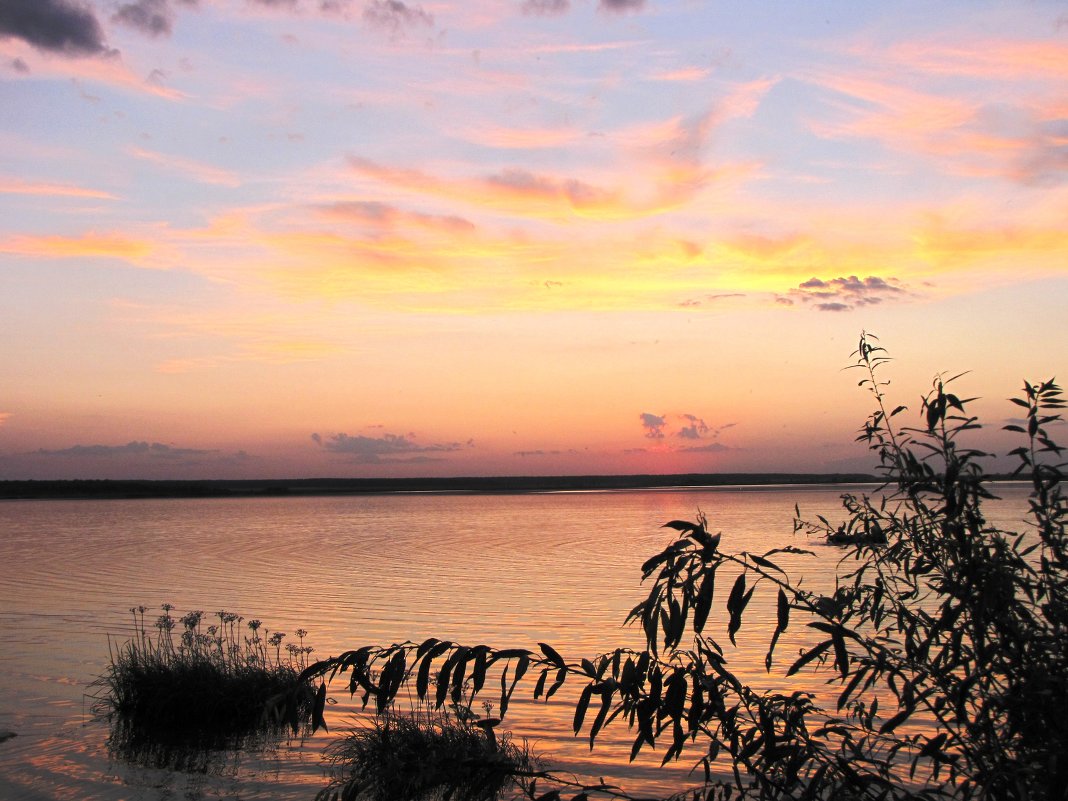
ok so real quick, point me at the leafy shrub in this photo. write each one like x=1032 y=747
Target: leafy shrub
x=943 y=647
x=170 y=700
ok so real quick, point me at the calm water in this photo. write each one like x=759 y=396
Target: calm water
x=507 y=570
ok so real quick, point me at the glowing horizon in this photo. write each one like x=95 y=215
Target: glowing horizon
x=274 y=238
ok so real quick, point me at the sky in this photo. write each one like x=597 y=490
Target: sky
x=297 y=238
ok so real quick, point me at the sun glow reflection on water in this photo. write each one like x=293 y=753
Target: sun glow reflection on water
x=505 y=570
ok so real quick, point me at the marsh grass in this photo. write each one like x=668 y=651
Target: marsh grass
x=424 y=755
x=188 y=688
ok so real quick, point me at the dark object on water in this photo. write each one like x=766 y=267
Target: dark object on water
x=875 y=536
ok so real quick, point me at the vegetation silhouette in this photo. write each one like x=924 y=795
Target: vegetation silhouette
x=427 y=753
x=943 y=648
x=182 y=702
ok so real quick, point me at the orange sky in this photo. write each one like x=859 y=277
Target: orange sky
x=259 y=238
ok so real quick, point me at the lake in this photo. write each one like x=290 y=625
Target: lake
x=509 y=570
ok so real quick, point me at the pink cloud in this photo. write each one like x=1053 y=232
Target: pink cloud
x=1007 y=122
x=195 y=170
x=683 y=74
x=91 y=244
x=16 y=186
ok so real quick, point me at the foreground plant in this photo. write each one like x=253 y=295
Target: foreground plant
x=426 y=753
x=205 y=687
x=938 y=666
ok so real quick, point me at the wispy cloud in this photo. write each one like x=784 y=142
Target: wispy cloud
x=506 y=138
x=386 y=448
x=1010 y=124
x=585 y=47
x=154 y=450
x=675 y=177
x=109 y=70
x=948 y=244
x=285 y=5
x=150 y=17
x=16 y=186
x=682 y=74
x=514 y=190
x=990 y=58
x=95 y=245
x=194 y=170
x=545 y=7
x=380 y=216
x=714 y=299
x=395 y=16
x=621 y=6
x=710 y=447
x=401 y=256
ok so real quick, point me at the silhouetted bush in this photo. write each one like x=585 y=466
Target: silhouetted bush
x=943 y=649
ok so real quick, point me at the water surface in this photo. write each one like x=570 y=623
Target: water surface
x=506 y=570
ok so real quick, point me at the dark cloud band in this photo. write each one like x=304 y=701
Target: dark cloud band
x=387 y=448
x=57 y=26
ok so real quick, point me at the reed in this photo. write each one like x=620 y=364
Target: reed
x=209 y=684
x=426 y=754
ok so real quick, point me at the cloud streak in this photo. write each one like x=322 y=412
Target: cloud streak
x=154 y=450
x=514 y=190
x=1013 y=128
x=386 y=448
x=189 y=168
x=17 y=186
x=381 y=216
x=92 y=245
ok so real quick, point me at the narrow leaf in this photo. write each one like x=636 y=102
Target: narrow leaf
x=783 y=611
x=679 y=525
x=551 y=654
x=580 y=707
x=808 y=656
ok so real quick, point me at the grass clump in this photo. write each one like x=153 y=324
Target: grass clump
x=202 y=686
x=424 y=755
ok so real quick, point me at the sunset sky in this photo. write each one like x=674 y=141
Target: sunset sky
x=270 y=238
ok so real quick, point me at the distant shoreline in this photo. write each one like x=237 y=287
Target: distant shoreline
x=116 y=489
x=88 y=489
